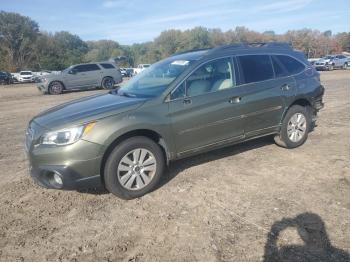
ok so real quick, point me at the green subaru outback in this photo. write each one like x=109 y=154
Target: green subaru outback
x=186 y=104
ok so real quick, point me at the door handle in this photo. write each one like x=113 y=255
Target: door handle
x=285 y=87
x=187 y=101
x=235 y=100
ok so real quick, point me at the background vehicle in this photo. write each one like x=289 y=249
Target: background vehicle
x=181 y=106
x=331 y=62
x=82 y=76
x=140 y=68
x=26 y=77
x=126 y=72
x=6 y=78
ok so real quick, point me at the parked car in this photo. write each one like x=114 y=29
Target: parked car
x=82 y=76
x=140 y=68
x=5 y=78
x=181 y=106
x=26 y=77
x=331 y=62
x=126 y=72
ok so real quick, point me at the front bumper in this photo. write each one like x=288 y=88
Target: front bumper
x=42 y=87
x=77 y=165
x=322 y=67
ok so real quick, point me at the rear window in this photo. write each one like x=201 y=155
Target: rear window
x=292 y=65
x=256 y=68
x=107 y=66
x=278 y=67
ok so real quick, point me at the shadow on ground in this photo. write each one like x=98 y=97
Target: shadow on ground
x=178 y=166
x=316 y=248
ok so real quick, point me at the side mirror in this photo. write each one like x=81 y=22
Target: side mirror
x=72 y=71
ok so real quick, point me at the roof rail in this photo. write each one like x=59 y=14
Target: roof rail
x=192 y=50
x=246 y=45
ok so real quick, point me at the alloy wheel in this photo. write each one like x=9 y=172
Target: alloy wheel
x=136 y=169
x=296 y=128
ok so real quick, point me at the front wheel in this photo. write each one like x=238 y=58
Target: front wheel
x=56 y=88
x=134 y=168
x=107 y=83
x=345 y=66
x=295 y=127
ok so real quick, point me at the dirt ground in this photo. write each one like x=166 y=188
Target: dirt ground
x=242 y=203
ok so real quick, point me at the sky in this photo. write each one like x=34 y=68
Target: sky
x=136 y=21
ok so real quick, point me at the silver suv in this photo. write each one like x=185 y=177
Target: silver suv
x=331 y=62
x=82 y=76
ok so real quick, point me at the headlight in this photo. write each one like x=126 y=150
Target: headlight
x=66 y=136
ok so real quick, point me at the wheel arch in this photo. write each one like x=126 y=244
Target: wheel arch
x=302 y=101
x=104 y=77
x=151 y=134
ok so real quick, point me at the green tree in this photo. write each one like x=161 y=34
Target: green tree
x=17 y=37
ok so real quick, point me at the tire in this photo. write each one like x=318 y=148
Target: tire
x=107 y=83
x=56 y=88
x=129 y=181
x=345 y=66
x=292 y=136
x=331 y=68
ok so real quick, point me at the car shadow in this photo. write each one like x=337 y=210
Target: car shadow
x=312 y=231
x=178 y=166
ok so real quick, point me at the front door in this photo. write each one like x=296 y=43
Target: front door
x=83 y=76
x=205 y=109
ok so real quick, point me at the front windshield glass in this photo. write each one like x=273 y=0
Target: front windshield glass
x=328 y=57
x=25 y=73
x=67 y=69
x=155 y=79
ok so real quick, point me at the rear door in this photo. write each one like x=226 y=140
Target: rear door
x=205 y=109
x=266 y=95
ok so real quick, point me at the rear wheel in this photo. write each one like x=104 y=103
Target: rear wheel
x=134 y=168
x=56 y=88
x=107 y=83
x=295 y=127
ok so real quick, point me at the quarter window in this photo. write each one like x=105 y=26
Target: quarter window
x=292 y=65
x=256 y=68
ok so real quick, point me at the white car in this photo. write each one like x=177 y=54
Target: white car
x=140 y=68
x=26 y=77
x=331 y=62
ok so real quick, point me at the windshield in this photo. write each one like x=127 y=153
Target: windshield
x=155 y=79
x=67 y=69
x=25 y=73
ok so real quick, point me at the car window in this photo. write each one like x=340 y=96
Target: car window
x=107 y=66
x=211 y=77
x=292 y=65
x=86 y=68
x=256 y=68
x=278 y=67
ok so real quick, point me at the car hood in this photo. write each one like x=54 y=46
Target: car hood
x=87 y=109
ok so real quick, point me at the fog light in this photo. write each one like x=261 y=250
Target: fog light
x=57 y=178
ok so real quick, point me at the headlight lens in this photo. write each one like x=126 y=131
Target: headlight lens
x=66 y=136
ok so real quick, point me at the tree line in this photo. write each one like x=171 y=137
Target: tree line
x=24 y=46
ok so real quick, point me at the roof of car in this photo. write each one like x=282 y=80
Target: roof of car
x=234 y=48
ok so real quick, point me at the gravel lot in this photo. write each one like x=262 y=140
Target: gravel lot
x=241 y=203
